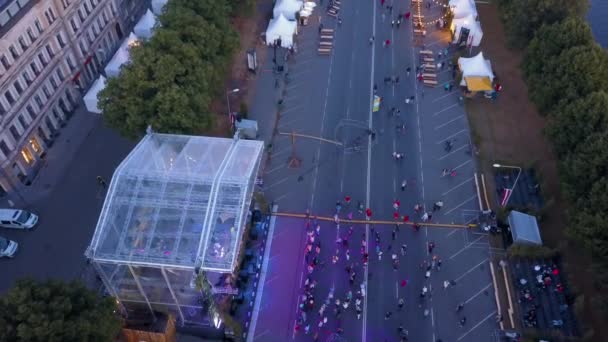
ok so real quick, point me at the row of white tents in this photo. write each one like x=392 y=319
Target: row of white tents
x=284 y=26
x=465 y=27
x=143 y=30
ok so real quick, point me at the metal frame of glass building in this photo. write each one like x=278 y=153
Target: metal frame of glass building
x=175 y=206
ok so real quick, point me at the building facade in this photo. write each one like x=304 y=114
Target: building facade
x=51 y=52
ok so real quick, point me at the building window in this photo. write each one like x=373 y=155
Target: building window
x=30 y=112
x=46 y=91
x=35 y=145
x=27 y=78
x=97 y=27
x=2 y=109
x=18 y=87
x=38 y=26
x=74 y=26
x=15 y=132
x=13 y=52
x=22 y=121
x=70 y=63
x=9 y=97
x=90 y=37
x=35 y=68
x=30 y=34
x=4 y=148
x=60 y=40
x=105 y=17
x=65 y=4
x=52 y=13
x=113 y=8
x=39 y=101
x=53 y=82
x=22 y=43
x=5 y=63
x=83 y=50
x=27 y=155
x=59 y=73
x=81 y=15
x=49 y=19
x=49 y=50
x=86 y=8
x=42 y=59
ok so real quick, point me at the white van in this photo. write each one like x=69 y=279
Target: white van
x=8 y=248
x=16 y=218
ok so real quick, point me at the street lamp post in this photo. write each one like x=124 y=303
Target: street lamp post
x=508 y=196
x=228 y=92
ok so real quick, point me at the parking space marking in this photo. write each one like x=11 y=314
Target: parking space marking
x=442 y=141
x=477 y=325
x=466 y=246
x=460 y=205
x=293 y=85
x=446 y=95
x=449 y=122
x=277 y=183
x=470 y=270
x=477 y=294
x=273 y=170
x=453 y=151
x=291 y=109
x=463 y=164
x=452 y=232
x=272 y=155
x=457 y=186
x=282 y=196
x=446 y=108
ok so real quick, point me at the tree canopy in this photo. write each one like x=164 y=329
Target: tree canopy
x=172 y=79
x=524 y=17
x=55 y=311
x=551 y=40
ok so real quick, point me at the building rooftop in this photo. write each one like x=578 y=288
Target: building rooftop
x=178 y=201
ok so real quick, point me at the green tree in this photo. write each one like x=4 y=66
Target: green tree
x=173 y=78
x=575 y=73
x=55 y=311
x=585 y=165
x=523 y=17
x=573 y=123
x=551 y=40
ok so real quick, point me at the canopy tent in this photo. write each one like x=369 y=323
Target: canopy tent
x=309 y=6
x=524 y=228
x=145 y=25
x=90 y=98
x=288 y=8
x=157 y=6
x=283 y=29
x=463 y=8
x=477 y=73
x=466 y=30
x=121 y=56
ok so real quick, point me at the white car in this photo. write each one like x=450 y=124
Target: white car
x=8 y=248
x=17 y=219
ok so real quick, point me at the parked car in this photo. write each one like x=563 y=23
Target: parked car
x=17 y=218
x=8 y=248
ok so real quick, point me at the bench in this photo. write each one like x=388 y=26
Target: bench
x=429 y=83
x=326 y=36
x=327 y=30
x=424 y=52
x=323 y=51
x=330 y=44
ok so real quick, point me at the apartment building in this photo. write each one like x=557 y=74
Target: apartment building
x=51 y=51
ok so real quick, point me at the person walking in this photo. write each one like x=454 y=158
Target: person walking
x=101 y=182
x=403 y=185
x=388 y=315
x=400 y=304
x=437 y=205
x=403 y=249
x=463 y=321
x=459 y=307
x=408 y=70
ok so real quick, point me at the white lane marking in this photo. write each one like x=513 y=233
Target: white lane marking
x=449 y=122
x=477 y=294
x=466 y=246
x=463 y=164
x=445 y=109
x=477 y=325
x=453 y=151
x=368 y=180
x=446 y=95
x=457 y=186
x=470 y=270
x=442 y=141
x=278 y=182
x=460 y=205
x=452 y=232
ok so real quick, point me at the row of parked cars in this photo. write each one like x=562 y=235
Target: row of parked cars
x=15 y=219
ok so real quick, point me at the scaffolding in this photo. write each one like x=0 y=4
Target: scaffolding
x=175 y=206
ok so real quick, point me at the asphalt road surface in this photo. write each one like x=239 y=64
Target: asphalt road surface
x=330 y=97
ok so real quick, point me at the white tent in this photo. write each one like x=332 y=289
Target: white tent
x=469 y=24
x=157 y=6
x=145 y=25
x=283 y=29
x=477 y=73
x=121 y=56
x=90 y=98
x=463 y=8
x=288 y=8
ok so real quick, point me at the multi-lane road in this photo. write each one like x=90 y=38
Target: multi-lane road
x=331 y=97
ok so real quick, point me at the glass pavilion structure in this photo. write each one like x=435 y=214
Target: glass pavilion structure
x=177 y=205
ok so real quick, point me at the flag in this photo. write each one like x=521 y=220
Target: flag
x=506 y=194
